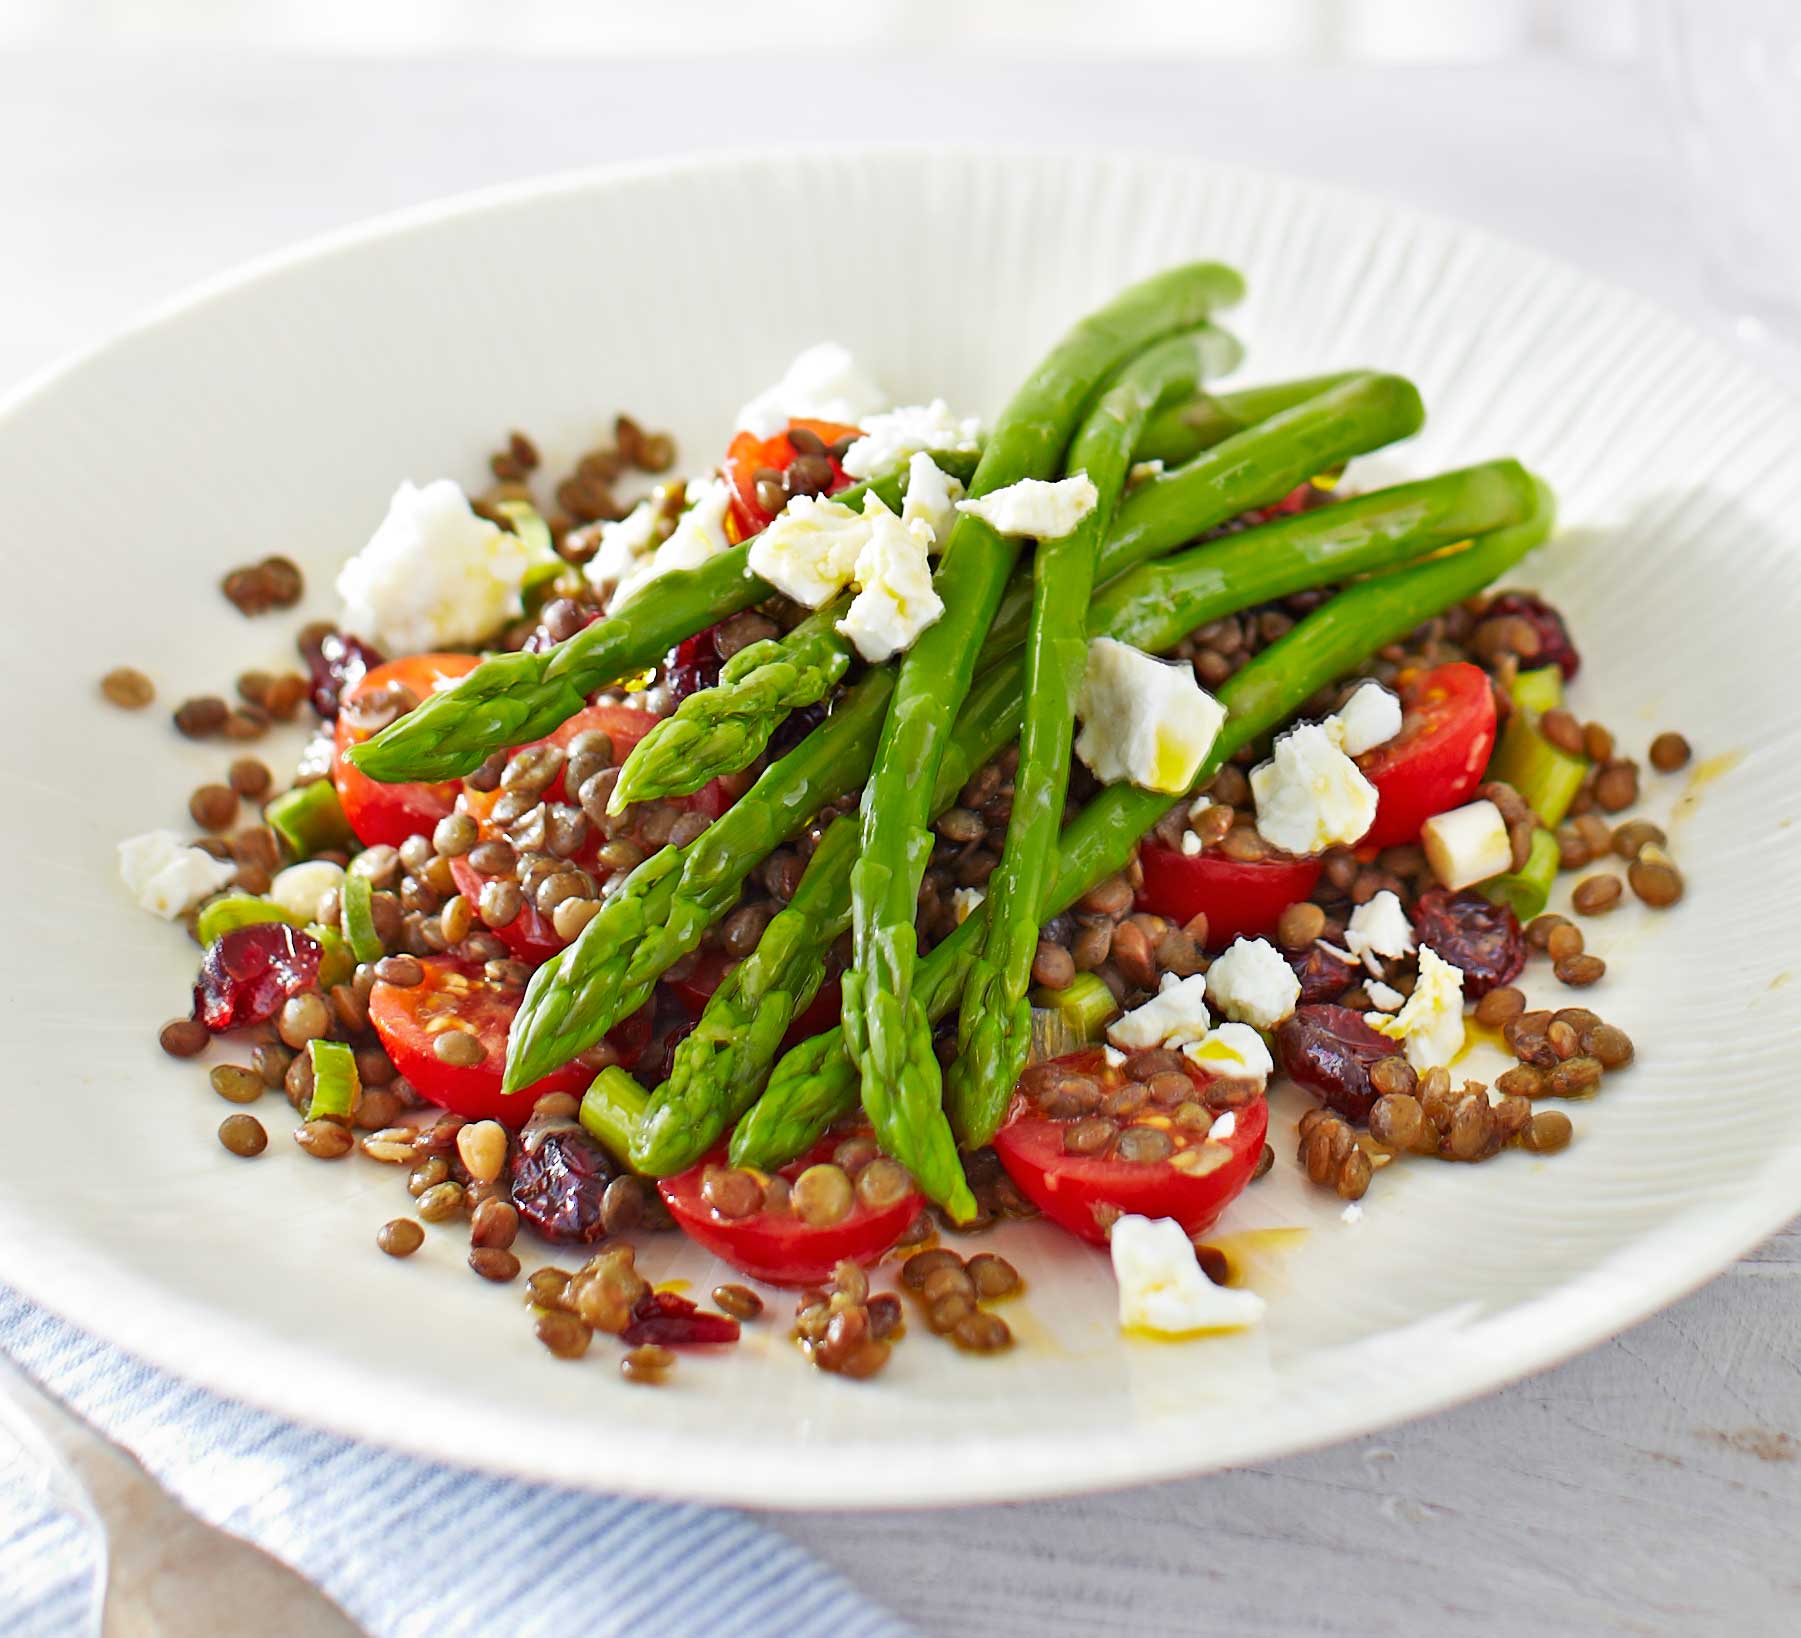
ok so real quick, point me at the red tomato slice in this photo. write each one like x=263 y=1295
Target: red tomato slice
x=452 y=996
x=1068 y=1188
x=749 y=454
x=1435 y=763
x=1241 y=898
x=392 y=813
x=778 y=1248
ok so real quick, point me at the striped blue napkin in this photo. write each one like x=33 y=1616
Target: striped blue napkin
x=399 y=1542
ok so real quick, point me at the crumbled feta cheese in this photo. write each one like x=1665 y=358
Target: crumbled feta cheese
x=1191 y=844
x=1115 y=1059
x=166 y=876
x=897 y=601
x=1253 y=984
x=896 y=434
x=810 y=551
x=1143 y=719
x=966 y=901
x=1233 y=1052
x=1162 y=1288
x=1176 y=1013
x=1310 y=795
x=624 y=546
x=824 y=383
x=1379 y=928
x=1370 y=717
x=931 y=499
x=1352 y=1213
x=299 y=888
x=1142 y=471
x=1032 y=507
x=1383 y=997
x=1430 y=1025
x=1197 y=809
x=433 y=575
x=1467 y=845
x=699 y=534
x=1223 y=1128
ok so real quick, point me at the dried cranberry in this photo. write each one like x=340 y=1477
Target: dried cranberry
x=1323 y=976
x=670 y=1024
x=674 y=1322
x=247 y=974
x=337 y=662
x=1296 y=500
x=1554 y=645
x=1329 y=1050
x=1466 y=930
x=795 y=727
x=693 y=664
x=557 y=1182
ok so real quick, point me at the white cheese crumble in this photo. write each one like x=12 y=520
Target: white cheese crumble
x=894 y=435
x=1379 y=928
x=1223 y=1128
x=1144 y=720
x=300 y=888
x=1252 y=984
x=1162 y=1288
x=810 y=551
x=1115 y=1059
x=1467 y=845
x=1383 y=997
x=433 y=575
x=699 y=534
x=1370 y=717
x=931 y=498
x=1430 y=1025
x=1310 y=795
x=1352 y=1213
x=166 y=876
x=624 y=546
x=824 y=383
x=1192 y=845
x=1176 y=1013
x=1035 y=508
x=897 y=601
x=1233 y=1052
x=966 y=901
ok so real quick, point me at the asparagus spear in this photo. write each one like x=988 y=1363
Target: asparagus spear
x=994 y=1029
x=1154 y=606
x=1182 y=431
x=511 y=698
x=817 y=1083
x=723 y=729
x=884 y=1025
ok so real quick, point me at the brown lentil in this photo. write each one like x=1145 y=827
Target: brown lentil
x=1393 y=1076
x=494 y=1262
x=324 y=1139
x=1616 y=786
x=128 y=688
x=919 y=1267
x=303 y=1018
x=183 y=1037
x=649 y=1364
x=1540 y=929
x=213 y=807
x=1396 y=1121
x=1596 y=895
x=493 y=1225
x=1300 y=925
x=981 y=1333
x=441 y=1202
x=400 y=1237
x=737 y=1300
x=1053 y=966
x=563 y=1334
x=1523 y=1081
x=203 y=715
x=1574 y=1078
x=1655 y=878
x=459 y=1048
x=1669 y=751
x=1563 y=731
x=1611 y=1048
x=235 y=1084
x=1548 y=1131
x=243 y=1135
x=993 y=1277
x=821 y=1195
x=1579 y=971
x=1499 y=1005
x=883 y=1183
x=1565 y=941
x=733 y=1193
x=622 y=1206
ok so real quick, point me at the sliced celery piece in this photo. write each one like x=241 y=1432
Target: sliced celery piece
x=1538 y=691
x=309 y=821
x=337 y=962
x=1526 y=891
x=237 y=910
x=1084 y=1006
x=359 y=919
x=611 y=1111
x=1547 y=777
x=335 y=1083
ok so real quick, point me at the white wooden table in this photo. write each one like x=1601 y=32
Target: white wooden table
x=1651 y=1486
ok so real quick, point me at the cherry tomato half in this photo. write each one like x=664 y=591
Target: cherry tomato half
x=391 y=813
x=748 y=455
x=777 y=1247
x=1069 y=1188
x=1242 y=898
x=1435 y=763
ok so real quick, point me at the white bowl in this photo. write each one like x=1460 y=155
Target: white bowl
x=276 y=411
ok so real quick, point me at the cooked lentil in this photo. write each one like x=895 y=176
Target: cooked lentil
x=324 y=1139
x=1595 y=896
x=128 y=688
x=648 y=1364
x=400 y=1237
x=243 y=1135
x=183 y=1037
x=235 y=1084
x=1669 y=751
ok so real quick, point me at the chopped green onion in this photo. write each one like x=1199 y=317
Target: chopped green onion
x=337 y=961
x=237 y=910
x=1538 y=691
x=1547 y=777
x=359 y=919
x=335 y=1083
x=1085 y=1004
x=1526 y=891
x=309 y=820
x=612 y=1110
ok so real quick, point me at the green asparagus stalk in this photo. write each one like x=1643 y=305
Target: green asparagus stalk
x=1154 y=607
x=817 y=1083
x=664 y=906
x=994 y=1028
x=1182 y=431
x=511 y=698
x=884 y=1024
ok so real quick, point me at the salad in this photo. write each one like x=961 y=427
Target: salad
x=910 y=823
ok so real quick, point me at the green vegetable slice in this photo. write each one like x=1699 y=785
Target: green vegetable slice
x=359 y=919
x=335 y=1083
